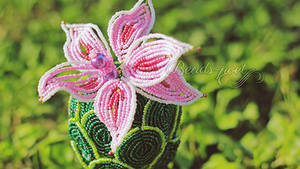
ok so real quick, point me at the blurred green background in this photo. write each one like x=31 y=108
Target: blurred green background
x=254 y=125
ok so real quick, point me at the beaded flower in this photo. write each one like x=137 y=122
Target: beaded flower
x=146 y=64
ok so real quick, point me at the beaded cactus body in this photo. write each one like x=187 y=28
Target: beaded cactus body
x=151 y=142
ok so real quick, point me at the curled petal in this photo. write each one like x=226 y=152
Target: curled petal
x=82 y=40
x=127 y=26
x=152 y=58
x=173 y=90
x=115 y=106
x=62 y=77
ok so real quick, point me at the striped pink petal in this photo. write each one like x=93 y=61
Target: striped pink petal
x=173 y=90
x=127 y=26
x=87 y=79
x=82 y=40
x=151 y=59
x=115 y=106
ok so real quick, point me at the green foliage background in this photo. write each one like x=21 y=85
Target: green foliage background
x=256 y=125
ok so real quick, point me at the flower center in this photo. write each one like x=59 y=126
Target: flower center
x=112 y=75
x=99 y=61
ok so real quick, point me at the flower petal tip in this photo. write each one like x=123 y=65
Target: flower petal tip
x=110 y=153
x=204 y=95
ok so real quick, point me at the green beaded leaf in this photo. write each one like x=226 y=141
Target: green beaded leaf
x=149 y=144
x=85 y=107
x=138 y=117
x=108 y=164
x=141 y=146
x=168 y=154
x=81 y=144
x=73 y=107
x=178 y=118
x=163 y=116
x=97 y=132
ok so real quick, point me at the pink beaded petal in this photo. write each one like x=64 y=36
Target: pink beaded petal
x=62 y=77
x=82 y=40
x=127 y=26
x=173 y=90
x=115 y=106
x=151 y=59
